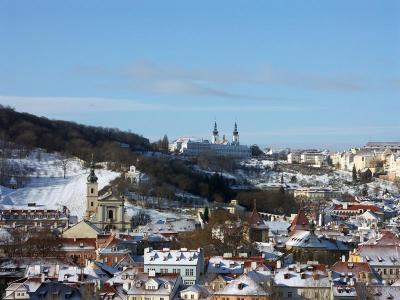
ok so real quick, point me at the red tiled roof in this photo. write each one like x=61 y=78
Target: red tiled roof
x=357 y=207
x=78 y=241
x=255 y=217
x=351 y=267
x=300 y=220
x=388 y=238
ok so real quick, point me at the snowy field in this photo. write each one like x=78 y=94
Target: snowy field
x=49 y=189
x=155 y=215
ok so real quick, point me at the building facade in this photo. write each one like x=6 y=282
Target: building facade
x=189 y=264
x=107 y=211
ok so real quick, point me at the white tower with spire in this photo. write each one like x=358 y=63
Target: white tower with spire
x=92 y=192
x=235 y=137
x=215 y=136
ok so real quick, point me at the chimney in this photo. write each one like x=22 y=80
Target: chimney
x=278 y=264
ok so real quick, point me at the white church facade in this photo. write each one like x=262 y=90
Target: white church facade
x=217 y=146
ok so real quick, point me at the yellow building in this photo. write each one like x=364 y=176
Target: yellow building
x=107 y=211
x=366 y=160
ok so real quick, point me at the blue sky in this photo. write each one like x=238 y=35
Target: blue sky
x=291 y=73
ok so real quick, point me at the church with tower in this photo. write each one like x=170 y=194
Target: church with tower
x=217 y=146
x=216 y=140
x=107 y=211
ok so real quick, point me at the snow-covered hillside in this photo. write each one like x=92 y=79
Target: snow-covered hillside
x=48 y=187
x=339 y=180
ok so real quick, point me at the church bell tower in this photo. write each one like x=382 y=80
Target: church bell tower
x=235 y=137
x=92 y=192
x=215 y=136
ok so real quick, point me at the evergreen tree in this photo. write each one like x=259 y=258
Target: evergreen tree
x=364 y=191
x=164 y=144
x=354 y=174
x=206 y=214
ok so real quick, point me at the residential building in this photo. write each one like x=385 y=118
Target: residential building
x=382 y=255
x=152 y=286
x=317 y=159
x=345 y=210
x=294 y=158
x=302 y=281
x=366 y=160
x=112 y=251
x=32 y=217
x=315 y=193
x=244 y=288
x=188 y=263
x=381 y=146
x=195 y=292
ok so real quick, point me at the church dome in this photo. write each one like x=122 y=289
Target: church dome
x=92 y=178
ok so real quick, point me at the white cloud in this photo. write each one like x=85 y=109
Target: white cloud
x=324 y=131
x=261 y=75
x=73 y=105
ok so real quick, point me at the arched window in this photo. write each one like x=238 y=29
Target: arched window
x=110 y=214
x=92 y=190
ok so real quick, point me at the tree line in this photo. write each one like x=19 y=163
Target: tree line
x=62 y=136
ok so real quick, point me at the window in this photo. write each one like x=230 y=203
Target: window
x=191 y=296
x=290 y=294
x=91 y=203
x=110 y=214
x=92 y=190
x=189 y=272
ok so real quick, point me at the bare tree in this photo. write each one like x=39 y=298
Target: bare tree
x=397 y=183
x=64 y=162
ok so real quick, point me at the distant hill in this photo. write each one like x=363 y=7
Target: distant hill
x=54 y=135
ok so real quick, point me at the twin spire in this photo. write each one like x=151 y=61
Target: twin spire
x=215 y=137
